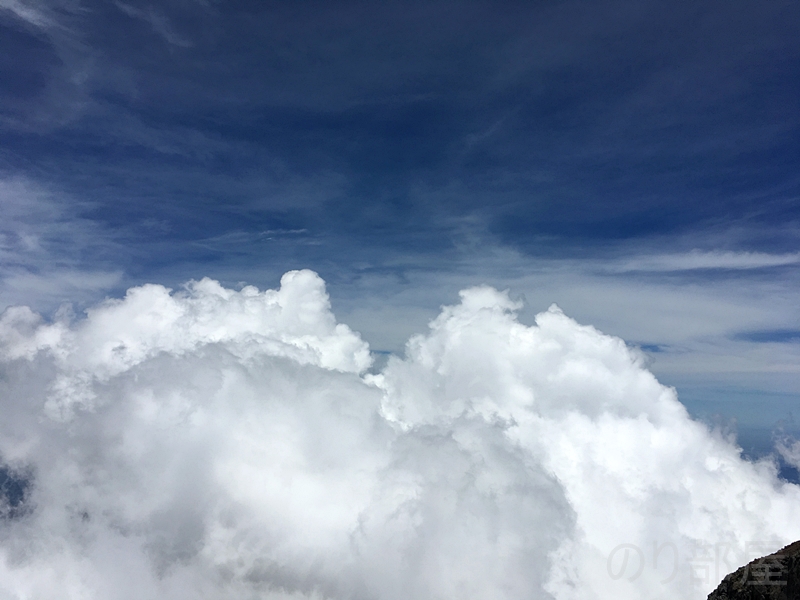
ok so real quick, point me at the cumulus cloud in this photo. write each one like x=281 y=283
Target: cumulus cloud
x=789 y=450
x=214 y=443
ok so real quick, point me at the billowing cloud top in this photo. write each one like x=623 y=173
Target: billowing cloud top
x=294 y=321
x=219 y=444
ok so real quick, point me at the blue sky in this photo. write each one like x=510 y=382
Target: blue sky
x=637 y=163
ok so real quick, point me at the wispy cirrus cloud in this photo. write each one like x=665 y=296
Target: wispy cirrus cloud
x=699 y=259
x=34 y=13
x=48 y=251
x=160 y=24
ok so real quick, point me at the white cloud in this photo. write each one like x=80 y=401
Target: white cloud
x=694 y=321
x=226 y=444
x=29 y=12
x=790 y=452
x=688 y=261
x=159 y=23
x=44 y=243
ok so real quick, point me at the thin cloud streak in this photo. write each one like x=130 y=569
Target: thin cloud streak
x=29 y=12
x=157 y=21
x=697 y=259
x=49 y=253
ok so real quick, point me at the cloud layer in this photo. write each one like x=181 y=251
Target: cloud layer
x=214 y=443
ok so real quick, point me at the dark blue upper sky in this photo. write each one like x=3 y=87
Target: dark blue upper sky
x=395 y=126
x=465 y=141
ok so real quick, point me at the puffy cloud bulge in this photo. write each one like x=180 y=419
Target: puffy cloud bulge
x=214 y=443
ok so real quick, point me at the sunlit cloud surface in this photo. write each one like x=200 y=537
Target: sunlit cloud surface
x=220 y=443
